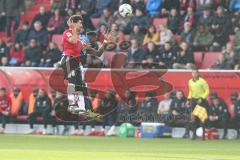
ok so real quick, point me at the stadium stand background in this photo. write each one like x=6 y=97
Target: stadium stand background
x=206 y=35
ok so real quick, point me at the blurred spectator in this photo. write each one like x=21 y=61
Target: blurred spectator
x=235 y=105
x=187 y=34
x=52 y=55
x=131 y=64
x=235 y=22
x=220 y=20
x=234 y=5
x=180 y=111
x=184 y=59
x=2 y=45
x=164 y=108
x=57 y=4
x=185 y=4
x=128 y=104
x=32 y=55
x=206 y=18
x=220 y=27
x=137 y=34
x=21 y=35
x=173 y=21
x=12 y=9
x=87 y=23
x=237 y=39
x=19 y=107
x=166 y=35
x=149 y=55
x=134 y=52
x=203 y=39
x=166 y=56
x=106 y=18
x=149 y=105
x=66 y=18
x=218 y=113
x=4 y=61
x=116 y=35
x=55 y=23
x=227 y=59
x=69 y=4
x=153 y=6
x=2 y=18
x=202 y=4
x=138 y=4
x=220 y=39
x=59 y=105
x=95 y=100
x=39 y=34
x=237 y=66
x=53 y=119
x=5 y=104
x=87 y=6
x=221 y=63
x=108 y=107
x=101 y=32
x=189 y=17
x=31 y=100
x=122 y=22
x=141 y=19
x=16 y=55
x=151 y=36
x=101 y=4
x=42 y=16
x=42 y=107
x=168 y=5
x=3 y=50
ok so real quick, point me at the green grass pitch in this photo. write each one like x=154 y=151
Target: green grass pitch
x=21 y=147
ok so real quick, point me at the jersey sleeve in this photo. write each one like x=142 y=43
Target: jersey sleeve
x=206 y=89
x=67 y=35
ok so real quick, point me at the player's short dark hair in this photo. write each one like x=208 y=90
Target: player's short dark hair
x=76 y=18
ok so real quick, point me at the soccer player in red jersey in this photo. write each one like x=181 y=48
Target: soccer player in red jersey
x=5 y=104
x=71 y=64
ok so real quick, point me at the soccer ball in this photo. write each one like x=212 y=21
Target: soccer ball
x=125 y=10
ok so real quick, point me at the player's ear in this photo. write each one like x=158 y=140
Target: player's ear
x=69 y=22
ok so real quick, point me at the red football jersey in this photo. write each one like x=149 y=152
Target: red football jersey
x=5 y=104
x=69 y=48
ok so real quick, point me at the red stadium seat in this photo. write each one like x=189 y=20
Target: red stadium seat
x=119 y=60
x=95 y=22
x=158 y=21
x=209 y=59
x=107 y=58
x=22 y=118
x=198 y=58
x=57 y=38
